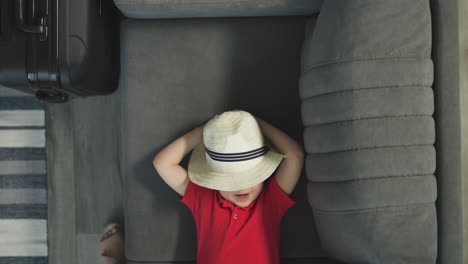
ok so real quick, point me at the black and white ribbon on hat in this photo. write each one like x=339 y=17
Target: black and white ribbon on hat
x=238 y=156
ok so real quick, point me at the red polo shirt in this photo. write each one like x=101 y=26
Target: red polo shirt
x=228 y=233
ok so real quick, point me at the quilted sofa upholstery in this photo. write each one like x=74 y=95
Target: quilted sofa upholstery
x=367 y=105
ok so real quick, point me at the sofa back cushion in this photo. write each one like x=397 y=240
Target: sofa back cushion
x=216 y=8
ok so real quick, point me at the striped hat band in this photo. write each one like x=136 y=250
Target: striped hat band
x=237 y=156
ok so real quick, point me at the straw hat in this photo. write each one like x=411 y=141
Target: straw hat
x=233 y=155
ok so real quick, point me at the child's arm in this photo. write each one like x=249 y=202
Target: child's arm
x=289 y=171
x=166 y=162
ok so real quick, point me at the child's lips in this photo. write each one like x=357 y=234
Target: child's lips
x=242 y=196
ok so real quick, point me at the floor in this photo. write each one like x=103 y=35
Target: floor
x=83 y=196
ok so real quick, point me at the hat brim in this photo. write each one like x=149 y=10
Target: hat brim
x=199 y=172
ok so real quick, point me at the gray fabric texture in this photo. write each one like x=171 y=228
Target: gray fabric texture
x=216 y=8
x=447 y=55
x=177 y=74
x=367 y=106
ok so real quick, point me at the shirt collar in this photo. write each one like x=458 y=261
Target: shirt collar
x=225 y=203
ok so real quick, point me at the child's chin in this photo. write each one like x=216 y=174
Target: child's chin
x=243 y=203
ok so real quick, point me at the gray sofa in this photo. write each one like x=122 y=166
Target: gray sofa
x=364 y=85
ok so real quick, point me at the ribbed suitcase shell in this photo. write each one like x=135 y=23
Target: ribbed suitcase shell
x=76 y=55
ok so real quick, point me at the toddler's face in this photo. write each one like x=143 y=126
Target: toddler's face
x=252 y=194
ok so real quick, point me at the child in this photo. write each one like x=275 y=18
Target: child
x=236 y=205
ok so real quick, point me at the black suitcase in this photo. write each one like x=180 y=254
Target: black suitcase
x=59 y=49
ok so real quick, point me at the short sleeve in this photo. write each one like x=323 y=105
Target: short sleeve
x=280 y=200
x=194 y=193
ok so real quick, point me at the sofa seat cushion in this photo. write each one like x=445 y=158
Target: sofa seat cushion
x=177 y=74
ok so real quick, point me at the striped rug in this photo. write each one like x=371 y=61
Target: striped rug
x=23 y=186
